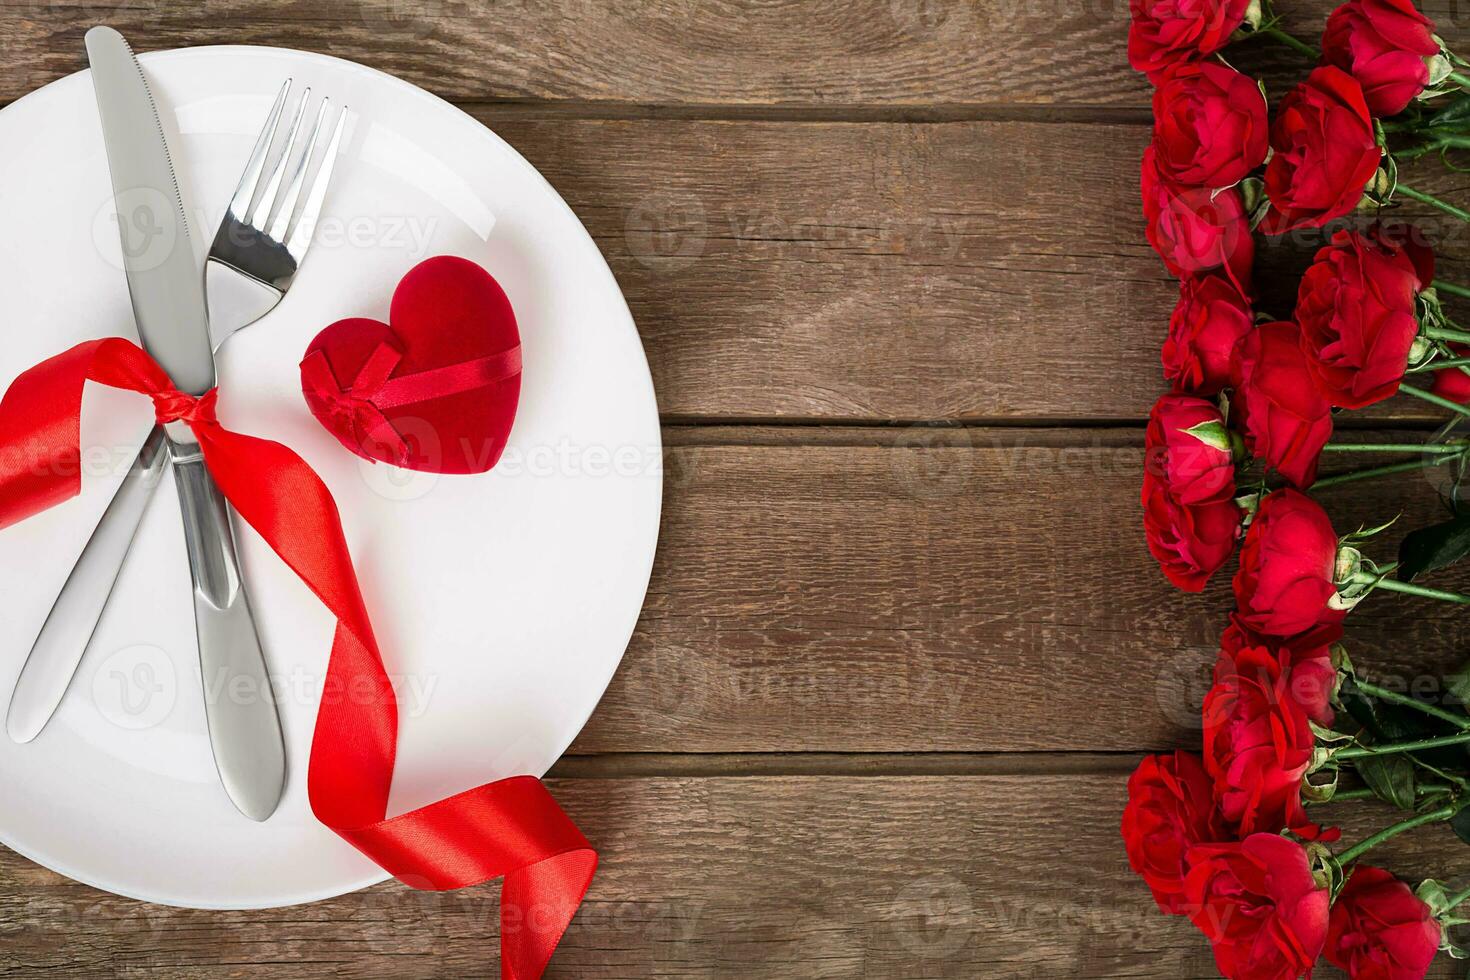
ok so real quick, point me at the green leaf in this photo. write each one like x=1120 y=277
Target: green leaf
x=1460 y=824
x=1434 y=547
x=1390 y=777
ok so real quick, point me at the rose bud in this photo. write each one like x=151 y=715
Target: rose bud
x=1210 y=318
x=1258 y=742
x=1210 y=125
x=1171 y=808
x=1387 y=45
x=1259 y=905
x=1196 y=229
x=1284 y=418
x=1165 y=32
x=1326 y=152
x=1313 y=676
x=1356 y=310
x=1288 y=567
x=1452 y=382
x=1379 y=929
x=1189 y=449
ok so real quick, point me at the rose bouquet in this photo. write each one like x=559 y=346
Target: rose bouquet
x=1228 y=837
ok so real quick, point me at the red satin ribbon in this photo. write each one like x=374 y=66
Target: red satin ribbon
x=511 y=828
x=360 y=403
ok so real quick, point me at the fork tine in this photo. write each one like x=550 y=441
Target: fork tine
x=244 y=193
x=262 y=211
x=298 y=178
x=300 y=238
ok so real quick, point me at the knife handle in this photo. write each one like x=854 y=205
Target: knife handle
x=239 y=703
x=73 y=618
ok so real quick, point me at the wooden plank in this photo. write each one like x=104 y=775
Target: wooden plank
x=921 y=53
x=984 y=270
x=972 y=590
x=979 y=271
x=1003 y=876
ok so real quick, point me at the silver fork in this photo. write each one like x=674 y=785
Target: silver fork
x=251 y=265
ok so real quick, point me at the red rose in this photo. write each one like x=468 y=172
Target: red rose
x=1194 y=468
x=1209 y=125
x=1168 y=31
x=1326 y=152
x=1208 y=321
x=1452 y=382
x=1196 y=229
x=1171 y=808
x=1258 y=742
x=1312 y=678
x=1385 y=45
x=1260 y=907
x=1355 y=307
x=1284 y=418
x=1379 y=930
x=1287 y=567
x=1190 y=543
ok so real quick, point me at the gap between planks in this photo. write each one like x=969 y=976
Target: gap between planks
x=642 y=765
x=572 y=110
x=980 y=434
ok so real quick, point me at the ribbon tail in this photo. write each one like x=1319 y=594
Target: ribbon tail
x=512 y=828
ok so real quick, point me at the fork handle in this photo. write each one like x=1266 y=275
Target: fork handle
x=73 y=618
x=239 y=703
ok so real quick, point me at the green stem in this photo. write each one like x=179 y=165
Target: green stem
x=1365 y=793
x=1389 y=447
x=1394 y=748
x=1434 y=399
x=1389 y=470
x=1364 y=846
x=1301 y=47
x=1445 y=333
x=1408 y=588
x=1443 y=364
x=1441 y=141
x=1393 y=697
x=1459 y=899
x=1433 y=201
x=1451 y=288
x=1459 y=79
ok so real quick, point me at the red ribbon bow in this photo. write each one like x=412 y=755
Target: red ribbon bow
x=360 y=403
x=511 y=828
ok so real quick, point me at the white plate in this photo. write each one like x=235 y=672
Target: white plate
x=502 y=602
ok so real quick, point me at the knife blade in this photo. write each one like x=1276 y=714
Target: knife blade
x=167 y=287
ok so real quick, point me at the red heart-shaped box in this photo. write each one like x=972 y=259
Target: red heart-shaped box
x=436 y=387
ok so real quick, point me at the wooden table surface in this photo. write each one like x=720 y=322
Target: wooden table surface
x=903 y=641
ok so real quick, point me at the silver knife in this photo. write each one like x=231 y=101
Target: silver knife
x=166 y=283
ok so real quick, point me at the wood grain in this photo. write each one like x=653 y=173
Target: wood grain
x=896 y=53
x=959 y=877
x=975 y=271
x=966 y=590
